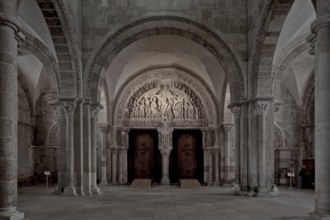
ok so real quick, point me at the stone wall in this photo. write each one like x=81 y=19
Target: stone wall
x=288 y=120
x=101 y=17
x=25 y=132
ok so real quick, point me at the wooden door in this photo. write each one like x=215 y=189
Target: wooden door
x=143 y=155
x=187 y=156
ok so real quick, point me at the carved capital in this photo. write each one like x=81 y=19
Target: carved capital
x=236 y=111
x=68 y=106
x=261 y=106
x=165 y=151
x=104 y=127
x=227 y=127
x=320 y=22
x=95 y=109
x=14 y=24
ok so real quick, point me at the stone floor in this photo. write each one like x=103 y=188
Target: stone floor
x=161 y=203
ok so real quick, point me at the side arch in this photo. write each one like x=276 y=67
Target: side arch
x=274 y=15
x=66 y=46
x=171 y=25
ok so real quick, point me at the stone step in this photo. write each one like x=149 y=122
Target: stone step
x=141 y=183
x=190 y=183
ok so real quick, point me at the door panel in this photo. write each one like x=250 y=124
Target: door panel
x=187 y=156
x=143 y=156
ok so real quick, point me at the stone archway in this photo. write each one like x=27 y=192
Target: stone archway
x=167 y=98
x=171 y=25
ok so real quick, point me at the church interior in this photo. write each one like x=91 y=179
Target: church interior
x=169 y=109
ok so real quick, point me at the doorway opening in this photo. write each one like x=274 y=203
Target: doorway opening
x=186 y=159
x=144 y=159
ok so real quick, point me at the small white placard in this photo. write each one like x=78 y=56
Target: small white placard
x=47 y=173
x=291 y=174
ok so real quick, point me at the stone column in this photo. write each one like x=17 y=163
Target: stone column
x=261 y=107
x=69 y=106
x=87 y=147
x=165 y=152
x=95 y=109
x=321 y=32
x=227 y=127
x=236 y=111
x=206 y=155
x=114 y=165
x=217 y=166
x=103 y=149
x=165 y=147
x=9 y=35
x=124 y=148
x=210 y=180
x=79 y=148
x=109 y=164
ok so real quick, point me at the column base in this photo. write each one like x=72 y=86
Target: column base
x=165 y=181
x=11 y=215
x=57 y=191
x=80 y=191
x=114 y=183
x=216 y=183
x=96 y=190
x=69 y=191
x=236 y=189
x=88 y=191
x=210 y=183
x=317 y=216
x=103 y=183
x=262 y=193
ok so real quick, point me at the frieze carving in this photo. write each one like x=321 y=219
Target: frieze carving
x=167 y=93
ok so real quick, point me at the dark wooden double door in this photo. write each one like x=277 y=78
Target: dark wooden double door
x=186 y=159
x=145 y=161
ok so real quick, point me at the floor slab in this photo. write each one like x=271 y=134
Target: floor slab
x=161 y=203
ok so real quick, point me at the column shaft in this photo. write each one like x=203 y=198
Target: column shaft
x=236 y=110
x=321 y=29
x=103 y=151
x=217 y=167
x=114 y=166
x=261 y=109
x=94 y=112
x=69 y=106
x=8 y=112
x=211 y=176
x=87 y=149
x=165 y=152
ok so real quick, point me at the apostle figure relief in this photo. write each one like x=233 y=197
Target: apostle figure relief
x=163 y=102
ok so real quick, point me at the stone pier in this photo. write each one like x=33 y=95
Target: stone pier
x=9 y=34
x=321 y=41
